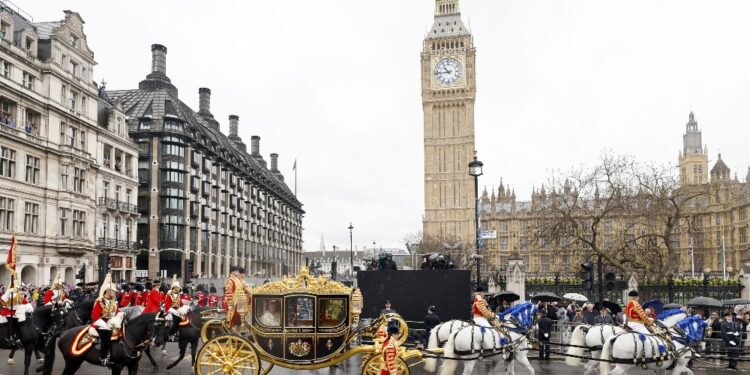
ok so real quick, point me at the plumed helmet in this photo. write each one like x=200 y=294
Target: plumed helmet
x=56 y=281
x=175 y=282
x=633 y=293
x=107 y=285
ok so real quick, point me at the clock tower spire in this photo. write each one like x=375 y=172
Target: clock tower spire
x=448 y=94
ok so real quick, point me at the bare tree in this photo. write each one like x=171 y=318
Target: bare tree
x=619 y=209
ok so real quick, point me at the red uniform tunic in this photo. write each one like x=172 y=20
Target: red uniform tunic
x=133 y=296
x=390 y=354
x=635 y=313
x=153 y=301
x=125 y=300
x=99 y=311
x=139 y=300
x=480 y=309
x=224 y=304
x=172 y=301
x=202 y=300
x=50 y=295
x=213 y=300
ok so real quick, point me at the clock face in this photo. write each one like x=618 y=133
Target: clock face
x=448 y=71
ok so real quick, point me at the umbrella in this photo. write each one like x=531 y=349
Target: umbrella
x=672 y=306
x=546 y=297
x=656 y=305
x=507 y=296
x=736 y=301
x=611 y=306
x=704 y=302
x=575 y=297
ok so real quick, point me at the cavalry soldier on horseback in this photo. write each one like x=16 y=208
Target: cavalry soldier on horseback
x=637 y=319
x=238 y=298
x=390 y=351
x=172 y=303
x=11 y=300
x=482 y=313
x=102 y=316
x=55 y=295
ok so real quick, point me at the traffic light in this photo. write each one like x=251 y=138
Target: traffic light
x=610 y=281
x=587 y=275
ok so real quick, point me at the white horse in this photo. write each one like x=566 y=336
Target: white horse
x=438 y=336
x=654 y=352
x=474 y=342
x=592 y=338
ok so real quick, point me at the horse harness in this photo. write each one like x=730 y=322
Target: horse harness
x=505 y=348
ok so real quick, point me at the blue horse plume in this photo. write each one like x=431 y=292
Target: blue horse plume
x=693 y=327
x=523 y=313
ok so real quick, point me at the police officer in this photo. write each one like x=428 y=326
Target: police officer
x=731 y=335
x=545 y=331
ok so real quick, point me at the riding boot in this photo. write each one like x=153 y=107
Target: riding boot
x=175 y=326
x=105 y=340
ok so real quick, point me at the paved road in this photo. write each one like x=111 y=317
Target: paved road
x=350 y=367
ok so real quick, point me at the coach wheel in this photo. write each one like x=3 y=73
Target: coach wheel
x=227 y=355
x=372 y=366
x=212 y=329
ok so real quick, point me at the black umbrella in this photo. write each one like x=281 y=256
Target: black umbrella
x=546 y=297
x=656 y=305
x=672 y=306
x=611 y=306
x=736 y=301
x=506 y=296
x=704 y=302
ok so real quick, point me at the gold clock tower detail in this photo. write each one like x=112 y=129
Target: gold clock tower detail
x=448 y=94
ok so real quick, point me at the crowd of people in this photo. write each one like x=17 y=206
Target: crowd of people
x=6 y=120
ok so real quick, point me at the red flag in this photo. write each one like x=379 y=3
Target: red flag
x=10 y=264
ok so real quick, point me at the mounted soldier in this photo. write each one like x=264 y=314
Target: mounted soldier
x=637 y=319
x=12 y=299
x=172 y=303
x=106 y=317
x=237 y=295
x=55 y=295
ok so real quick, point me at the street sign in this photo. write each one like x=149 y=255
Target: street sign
x=140 y=273
x=489 y=234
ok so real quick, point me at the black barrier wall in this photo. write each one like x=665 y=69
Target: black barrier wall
x=411 y=292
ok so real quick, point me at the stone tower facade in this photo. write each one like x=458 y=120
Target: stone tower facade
x=694 y=156
x=448 y=95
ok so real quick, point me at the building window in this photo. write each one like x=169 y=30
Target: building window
x=73 y=68
x=128 y=230
x=128 y=194
x=105 y=189
x=28 y=80
x=73 y=40
x=170 y=149
x=73 y=100
x=79 y=220
x=117 y=192
x=105 y=225
x=503 y=243
x=79 y=181
x=7 y=162
x=32 y=169
x=119 y=125
x=63 y=221
x=64 y=172
x=31 y=218
x=117 y=227
x=173 y=176
x=5 y=68
x=6 y=213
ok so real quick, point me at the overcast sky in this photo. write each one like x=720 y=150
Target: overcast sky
x=336 y=85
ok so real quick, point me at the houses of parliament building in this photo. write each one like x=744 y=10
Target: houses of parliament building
x=448 y=95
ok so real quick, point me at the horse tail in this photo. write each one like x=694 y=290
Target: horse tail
x=449 y=351
x=577 y=341
x=431 y=363
x=606 y=355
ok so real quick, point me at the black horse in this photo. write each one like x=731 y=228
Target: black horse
x=44 y=322
x=80 y=314
x=125 y=352
x=188 y=334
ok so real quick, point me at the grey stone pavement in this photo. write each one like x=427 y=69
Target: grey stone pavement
x=554 y=366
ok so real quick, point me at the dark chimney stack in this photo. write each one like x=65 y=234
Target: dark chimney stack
x=158 y=59
x=204 y=100
x=274 y=162
x=233 y=120
x=255 y=146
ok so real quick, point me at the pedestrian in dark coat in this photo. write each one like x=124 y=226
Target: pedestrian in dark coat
x=732 y=337
x=604 y=317
x=545 y=332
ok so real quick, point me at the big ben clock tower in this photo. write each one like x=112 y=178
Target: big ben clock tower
x=448 y=94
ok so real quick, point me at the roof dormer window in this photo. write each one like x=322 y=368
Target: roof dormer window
x=73 y=40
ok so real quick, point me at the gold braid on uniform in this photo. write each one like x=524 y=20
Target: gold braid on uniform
x=389 y=357
x=108 y=307
x=641 y=314
x=482 y=306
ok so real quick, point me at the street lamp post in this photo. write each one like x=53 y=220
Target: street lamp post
x=351 y=249
x=475 y=170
